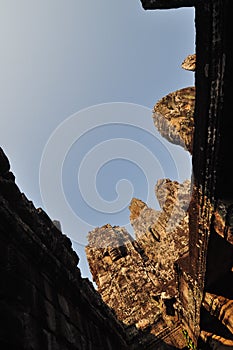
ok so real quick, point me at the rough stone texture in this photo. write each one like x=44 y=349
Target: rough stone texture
x=163 y=235
x=173 y=117
x=208 y=266
x=136 y=207
x=222 y=220
x=44 y=302
x=136 y=277
x=220 y=307
x=189 y=62
x=210 y=256
x=214 y=341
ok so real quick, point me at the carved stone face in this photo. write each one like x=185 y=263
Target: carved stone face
x=173 y=117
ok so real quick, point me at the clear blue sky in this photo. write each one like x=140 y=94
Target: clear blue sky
x=64 y=65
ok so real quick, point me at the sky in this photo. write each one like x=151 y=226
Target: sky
x=79 y=80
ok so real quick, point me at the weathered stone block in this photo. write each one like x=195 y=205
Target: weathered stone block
x=63 y=305
x=65 y=329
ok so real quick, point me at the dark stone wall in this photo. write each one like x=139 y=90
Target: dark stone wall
x=44 y=301
x=210 y=260
x=166 y=4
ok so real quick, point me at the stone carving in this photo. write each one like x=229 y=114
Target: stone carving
x=189 y=63
x=44 y=301
x=220 y=307
x=222 y=221
x=216 y=341
x=136 y=277
x=173 y=117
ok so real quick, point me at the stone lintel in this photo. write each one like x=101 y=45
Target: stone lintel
x=166 y=4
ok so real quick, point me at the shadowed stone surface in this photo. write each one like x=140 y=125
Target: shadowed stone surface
x=166 y=4
x=45 y=303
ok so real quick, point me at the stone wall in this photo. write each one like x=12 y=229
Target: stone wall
x=45 y=304
x=44 y=301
